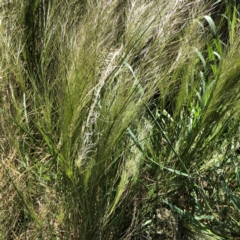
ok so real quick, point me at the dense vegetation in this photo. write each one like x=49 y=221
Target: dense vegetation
x=119 y=119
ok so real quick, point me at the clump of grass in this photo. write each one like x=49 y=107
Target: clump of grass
x=72 y=96
x=115 y=114
x=193 y=143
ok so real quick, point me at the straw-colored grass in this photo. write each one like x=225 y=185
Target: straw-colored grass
x=119 y=120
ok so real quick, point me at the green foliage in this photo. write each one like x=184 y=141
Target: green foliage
x=119 y=120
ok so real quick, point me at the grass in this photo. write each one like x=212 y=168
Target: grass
x=119 y=120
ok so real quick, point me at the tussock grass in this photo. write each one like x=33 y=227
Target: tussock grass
x=119 y=120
